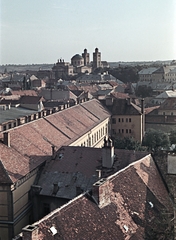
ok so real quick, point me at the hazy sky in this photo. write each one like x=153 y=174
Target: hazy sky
x=42 y=31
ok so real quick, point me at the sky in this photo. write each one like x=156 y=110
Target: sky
x=43 y=31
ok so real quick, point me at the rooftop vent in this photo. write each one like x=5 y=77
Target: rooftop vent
x=53 y=230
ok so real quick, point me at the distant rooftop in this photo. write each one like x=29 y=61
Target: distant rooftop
x=13 y=113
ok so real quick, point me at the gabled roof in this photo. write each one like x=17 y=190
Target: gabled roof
x=134 y=198
x=151 y=109
x=76 y=167
x=125 y=107
x=31 y=142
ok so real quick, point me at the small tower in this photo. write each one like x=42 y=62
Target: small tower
x=96 y=59
x=85 y=55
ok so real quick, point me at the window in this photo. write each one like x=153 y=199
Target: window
x=119 y=119
x=126 y=130
x=113 y=131
x=126 y=119
x=106 y=130
x=129 y=119
x=113 y=121
x=164 y=113
x=122 y=131
x=89 y=141
x=172 y=113
x=129 y=130
x=122 y=119
x=119 y=130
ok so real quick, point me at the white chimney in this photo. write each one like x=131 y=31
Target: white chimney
x=108 y=154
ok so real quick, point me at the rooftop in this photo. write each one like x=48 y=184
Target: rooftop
x=31 y=143
x=134 y=200
x=13 y=113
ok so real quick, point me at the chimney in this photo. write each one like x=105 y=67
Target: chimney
x=108 y=154
x=30 y=232
x=128 y=101
x=100 y=192
x=109 y=101
x=55 y=188
x=98 y=173
x=142 y=106
x=7 y=138
x=53 y=152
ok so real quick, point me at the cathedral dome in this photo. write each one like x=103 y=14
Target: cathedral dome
x=77 y=57
x=77 y=60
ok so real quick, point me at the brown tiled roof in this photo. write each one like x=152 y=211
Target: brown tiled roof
x=120 y=95
x=124 y=107
x=137 y=199
x=150 y=109
x=32 y=141
x=76 y=166
x=24 y=93
x=113 y=83
x=30 y=99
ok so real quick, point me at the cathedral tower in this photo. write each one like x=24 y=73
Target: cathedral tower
x=85 y=55
x=96 y=59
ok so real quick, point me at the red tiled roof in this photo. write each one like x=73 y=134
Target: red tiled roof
x=32 y=141
x=137 y=200
x=80 y=164
x=25 y=93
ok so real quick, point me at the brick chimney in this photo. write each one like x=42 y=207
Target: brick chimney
x=30 y=232
x=108 y=154
x=7 y=138
x=100 y=192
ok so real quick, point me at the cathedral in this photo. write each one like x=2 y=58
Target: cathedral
x=79 y=64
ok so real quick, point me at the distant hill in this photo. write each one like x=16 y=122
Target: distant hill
x=23 y=68
x=117 y=64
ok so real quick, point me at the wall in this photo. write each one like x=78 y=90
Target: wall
x=94 y=137
x=22 y=202
x=128 y=125
x=6 y=212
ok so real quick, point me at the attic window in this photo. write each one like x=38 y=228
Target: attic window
x=53 y=230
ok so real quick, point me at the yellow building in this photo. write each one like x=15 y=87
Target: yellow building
x=127 y=119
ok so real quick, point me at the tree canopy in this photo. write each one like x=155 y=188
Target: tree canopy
x=156 y=140
x=127 y=143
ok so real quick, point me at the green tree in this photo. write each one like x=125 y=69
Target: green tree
x=127 y=143
x=156 y=140
x=144 y=91
x=172 y=137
